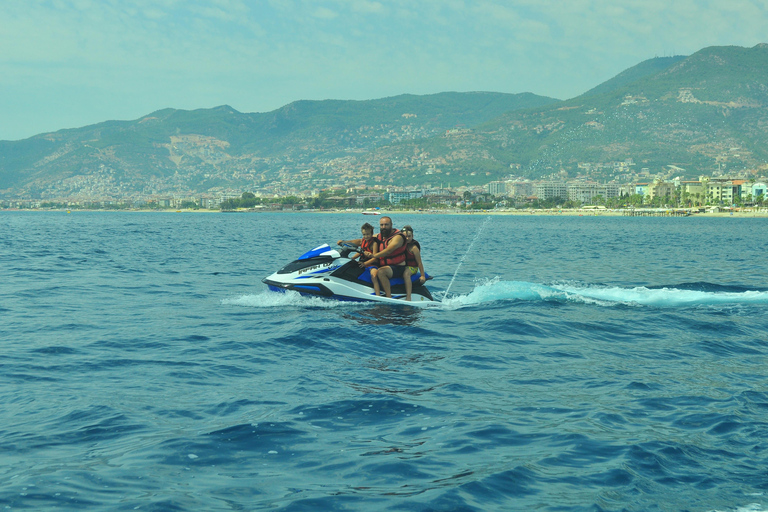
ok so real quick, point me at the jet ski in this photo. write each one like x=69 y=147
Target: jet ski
x=330 y=273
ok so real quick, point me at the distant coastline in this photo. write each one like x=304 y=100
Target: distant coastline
x=640 y=212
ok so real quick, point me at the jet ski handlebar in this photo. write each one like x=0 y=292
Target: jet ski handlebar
x=348 y=248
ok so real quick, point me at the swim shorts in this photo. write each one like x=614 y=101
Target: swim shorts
x=397 y=270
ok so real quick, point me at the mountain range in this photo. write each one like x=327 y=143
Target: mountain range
x=706 y=113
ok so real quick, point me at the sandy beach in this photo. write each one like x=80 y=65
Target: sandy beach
x=570 y=212
x=650 y=212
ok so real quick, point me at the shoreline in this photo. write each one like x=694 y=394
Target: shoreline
x=650 y=212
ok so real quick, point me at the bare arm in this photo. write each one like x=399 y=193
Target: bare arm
x=356 y=241
x=372 y=261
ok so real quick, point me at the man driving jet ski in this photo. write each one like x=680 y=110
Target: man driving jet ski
x=391 y=254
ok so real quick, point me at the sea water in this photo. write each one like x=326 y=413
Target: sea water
x=576 y=363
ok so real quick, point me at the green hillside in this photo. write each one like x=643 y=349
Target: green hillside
x=646 y=68
x=303 y=131
x=704 y=113
x=701 y=114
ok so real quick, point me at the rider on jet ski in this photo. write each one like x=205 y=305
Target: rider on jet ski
x=391 y=255
x=370 y=244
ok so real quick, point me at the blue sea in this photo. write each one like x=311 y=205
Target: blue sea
x=574 y=363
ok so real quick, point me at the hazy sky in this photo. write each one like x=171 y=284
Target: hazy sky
x=69 y=63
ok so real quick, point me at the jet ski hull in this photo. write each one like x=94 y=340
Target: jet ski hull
x=329 y=274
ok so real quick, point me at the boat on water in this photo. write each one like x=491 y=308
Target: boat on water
x=330 y=273
x=368 y=212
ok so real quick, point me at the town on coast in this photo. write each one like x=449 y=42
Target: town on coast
x=707 y=196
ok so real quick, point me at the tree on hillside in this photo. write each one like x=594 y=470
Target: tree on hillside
x=419 y=202
x=246 y=200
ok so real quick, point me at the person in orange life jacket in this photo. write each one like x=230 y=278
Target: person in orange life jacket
x=366 y=243
x=391 y=254
x=413 y=263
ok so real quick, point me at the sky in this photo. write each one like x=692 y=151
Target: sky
x=71 y=63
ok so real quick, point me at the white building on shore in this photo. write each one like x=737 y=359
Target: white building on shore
x=585 y=192
x=550 y=189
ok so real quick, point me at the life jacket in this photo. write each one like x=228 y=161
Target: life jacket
x=410 y=258
x=398 y=256
x=367 y=245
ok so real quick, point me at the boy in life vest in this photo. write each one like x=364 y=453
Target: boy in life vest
x=368 y=243
x=413 y=263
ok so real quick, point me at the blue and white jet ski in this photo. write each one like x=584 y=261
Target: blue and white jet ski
x=330 y=273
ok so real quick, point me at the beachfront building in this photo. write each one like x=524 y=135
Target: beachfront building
x=612 y=189
x=519 y=188
x=691 y=191
x=362 y=199
x=439 y=192
x=727 y=190
x=660 y=188
x=692 y=188
x=758 y=189
x=550 y=189
x=626 y=190
x=723 y=191
x=586 y=192
x=497 y=188
x=396 y=197
x=739 y=188
x=719 y=190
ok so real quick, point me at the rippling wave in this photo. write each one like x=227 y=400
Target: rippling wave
x=672 y=296
x=701 y=294
x=268 y=299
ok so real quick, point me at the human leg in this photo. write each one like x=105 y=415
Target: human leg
x=407 y=282
x=375 y=281
x=384 y=274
